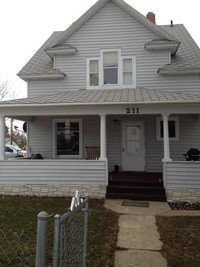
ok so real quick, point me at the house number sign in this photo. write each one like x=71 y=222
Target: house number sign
x=132 y=110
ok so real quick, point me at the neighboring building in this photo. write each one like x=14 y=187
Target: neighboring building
x=113 y=91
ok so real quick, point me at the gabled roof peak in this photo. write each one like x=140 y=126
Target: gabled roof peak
x=124 y=6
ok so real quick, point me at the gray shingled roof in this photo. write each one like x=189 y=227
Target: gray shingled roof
x=188 y=54
x=111 y=96
x=40 y=63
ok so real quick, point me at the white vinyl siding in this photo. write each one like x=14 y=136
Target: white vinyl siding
x=183 y=175
x=55 y=172
x=112 y=28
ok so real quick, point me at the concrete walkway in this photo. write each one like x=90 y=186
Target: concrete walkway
x=139 y=242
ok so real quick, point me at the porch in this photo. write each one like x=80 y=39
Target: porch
x=137 y=129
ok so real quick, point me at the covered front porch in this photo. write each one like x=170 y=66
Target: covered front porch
x=133 y=135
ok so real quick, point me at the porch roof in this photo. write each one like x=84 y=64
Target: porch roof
x=106 y=97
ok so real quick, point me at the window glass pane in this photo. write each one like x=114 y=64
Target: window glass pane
x=67 y=138
x=94 y=66
x=94 y=79
x=127 y=65
x=133 y=140
x=172 y=129
x=127 y=78
x=110 y=59
x=110 y=67
x=110 y=76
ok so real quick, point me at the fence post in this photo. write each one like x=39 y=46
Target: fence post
x=41 y=246
x=85 y=233
x=56 y=241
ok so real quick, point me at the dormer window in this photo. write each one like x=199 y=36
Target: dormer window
x=111 y=70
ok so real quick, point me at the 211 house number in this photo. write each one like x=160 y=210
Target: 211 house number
x=132 y=110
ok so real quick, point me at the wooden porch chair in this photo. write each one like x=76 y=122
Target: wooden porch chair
x=92 y=152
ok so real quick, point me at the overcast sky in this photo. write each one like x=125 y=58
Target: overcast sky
x=26 y=24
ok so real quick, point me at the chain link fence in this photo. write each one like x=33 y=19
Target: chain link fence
x=70 y=236
x=73 y=250
x=15 y=249
x=68 y=247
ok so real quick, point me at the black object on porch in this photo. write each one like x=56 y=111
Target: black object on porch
x=136 y=186
x=192 y=154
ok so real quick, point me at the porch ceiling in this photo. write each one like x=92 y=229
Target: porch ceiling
x=106 y=97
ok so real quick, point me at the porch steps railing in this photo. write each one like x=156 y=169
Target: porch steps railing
x=136 y=185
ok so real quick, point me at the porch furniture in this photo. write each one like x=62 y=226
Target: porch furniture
x=92 y=152
x=192 y=154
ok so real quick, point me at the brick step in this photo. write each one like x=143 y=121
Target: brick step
x=148 y=197
x=126 y=189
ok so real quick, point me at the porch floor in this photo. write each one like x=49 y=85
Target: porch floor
x=136 y=186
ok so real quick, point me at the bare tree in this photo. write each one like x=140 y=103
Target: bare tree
x=5 y=90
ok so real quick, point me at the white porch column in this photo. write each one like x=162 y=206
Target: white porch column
x=103 y=155
x=166 y=138
x=2 y=138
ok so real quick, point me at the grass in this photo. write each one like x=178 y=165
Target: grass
x=18 y=219
x=181 y=238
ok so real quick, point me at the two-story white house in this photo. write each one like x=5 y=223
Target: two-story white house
x=114 y=92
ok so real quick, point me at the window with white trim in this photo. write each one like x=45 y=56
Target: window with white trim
x=173 y=126
x=67 y=138
x=111 y=70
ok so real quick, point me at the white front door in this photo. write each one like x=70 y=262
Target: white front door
x=133 y=146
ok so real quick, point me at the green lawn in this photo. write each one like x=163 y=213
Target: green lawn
x=18 y=221
x=181 y=238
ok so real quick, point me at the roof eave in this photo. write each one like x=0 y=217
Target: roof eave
x=162 y=46
x=42 y=76
x=163 y=71
x=98 y=104
x=56 y=51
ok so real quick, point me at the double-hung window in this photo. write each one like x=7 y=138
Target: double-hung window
x=111 y=70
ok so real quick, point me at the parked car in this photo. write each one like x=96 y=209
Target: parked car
x=12 y=152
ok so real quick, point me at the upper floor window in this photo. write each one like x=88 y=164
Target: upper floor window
x=111 y=69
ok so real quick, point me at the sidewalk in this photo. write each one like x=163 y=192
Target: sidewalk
x=138 y=239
